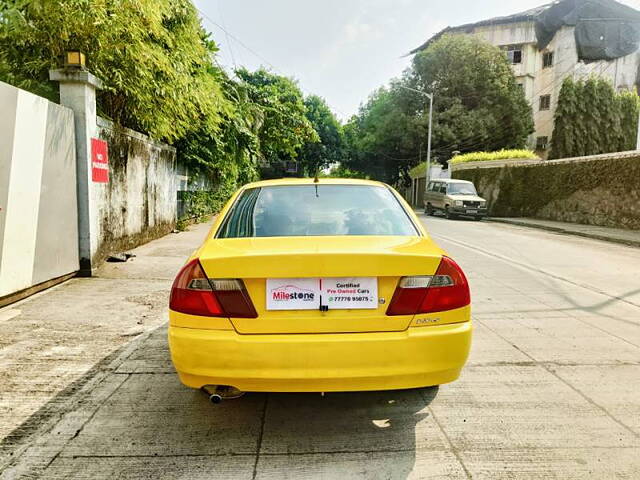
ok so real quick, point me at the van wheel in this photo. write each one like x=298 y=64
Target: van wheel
x=448 y=215
x=428 y=209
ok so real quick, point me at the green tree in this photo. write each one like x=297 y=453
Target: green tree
x=382 y=140
x=629 y=107
x=154 y=58
x=477 y=106
x=565 y=138
x=316 y=155
x=592 y=118
x=227 y=156
x=285 y=127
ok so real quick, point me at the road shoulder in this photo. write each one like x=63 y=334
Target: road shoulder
x=607 y=234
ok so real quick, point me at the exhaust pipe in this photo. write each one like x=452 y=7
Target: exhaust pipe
x=217 y=393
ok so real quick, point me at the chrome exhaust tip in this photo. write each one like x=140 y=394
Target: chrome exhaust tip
x=218 y=393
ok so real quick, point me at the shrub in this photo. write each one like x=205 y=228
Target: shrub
x=198 y=204
x=499 y=155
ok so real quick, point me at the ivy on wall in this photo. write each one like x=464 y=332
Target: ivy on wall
x=601 y=191
x=592 y=118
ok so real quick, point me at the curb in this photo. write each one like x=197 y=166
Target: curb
x=593 y=236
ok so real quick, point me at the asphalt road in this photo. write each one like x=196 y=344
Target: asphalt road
x=552 y=390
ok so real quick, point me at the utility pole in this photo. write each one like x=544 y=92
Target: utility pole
x=430 y=97
x=415 y=201
x=426 y=183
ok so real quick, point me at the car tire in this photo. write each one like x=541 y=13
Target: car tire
x=448 y=215
x=428 y=209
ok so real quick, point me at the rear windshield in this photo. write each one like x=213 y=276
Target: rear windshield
x=315 y=210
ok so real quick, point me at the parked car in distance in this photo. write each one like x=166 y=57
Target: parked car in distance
x=319 y=286
x=454 y=198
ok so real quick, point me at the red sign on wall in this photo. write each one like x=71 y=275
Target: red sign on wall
x=99 y=161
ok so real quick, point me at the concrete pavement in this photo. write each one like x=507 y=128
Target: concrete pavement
x=54 y=342
x=552 y=389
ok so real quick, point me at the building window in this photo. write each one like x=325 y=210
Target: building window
x=547 y=59
x=514 y=53
x=545 y=102
x=542 y=143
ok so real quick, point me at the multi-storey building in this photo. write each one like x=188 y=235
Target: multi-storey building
x=547 y=44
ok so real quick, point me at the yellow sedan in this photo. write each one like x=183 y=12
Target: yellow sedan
x=322 y=285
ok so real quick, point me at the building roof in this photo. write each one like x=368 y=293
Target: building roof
x=551 y=16
x=527 y=16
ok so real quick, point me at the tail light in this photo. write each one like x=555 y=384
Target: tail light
x=193 y=293
x=448 y=289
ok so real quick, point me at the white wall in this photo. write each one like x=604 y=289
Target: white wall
x=38 y=216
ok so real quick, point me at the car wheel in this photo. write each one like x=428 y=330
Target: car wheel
x=448 y=215
x=428 y=209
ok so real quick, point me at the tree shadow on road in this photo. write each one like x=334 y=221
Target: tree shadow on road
x=340 y=435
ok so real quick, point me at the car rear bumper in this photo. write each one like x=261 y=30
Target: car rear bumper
x=417 y=357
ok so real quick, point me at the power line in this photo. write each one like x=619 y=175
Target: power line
x=240 y=42
x=233 y=58
x=465 y=142
x=257 y=55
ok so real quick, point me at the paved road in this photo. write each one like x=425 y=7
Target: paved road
x=552 y=390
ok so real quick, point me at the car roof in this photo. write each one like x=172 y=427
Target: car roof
x=449 y=180
x=311 y=181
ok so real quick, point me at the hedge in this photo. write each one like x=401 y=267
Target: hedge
x=499 y=155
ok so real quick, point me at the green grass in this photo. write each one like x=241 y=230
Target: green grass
x=499 y=155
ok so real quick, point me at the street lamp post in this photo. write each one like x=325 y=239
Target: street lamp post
x=430 y=97
x=426 y=175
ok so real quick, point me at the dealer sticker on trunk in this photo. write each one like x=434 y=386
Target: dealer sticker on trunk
x=357 y=292
x=311 y=293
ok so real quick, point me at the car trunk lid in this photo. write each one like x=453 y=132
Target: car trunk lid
x=359 y=260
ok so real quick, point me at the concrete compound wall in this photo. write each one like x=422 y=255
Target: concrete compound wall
x=38 y=216
x=138 y=203
x=599 y=190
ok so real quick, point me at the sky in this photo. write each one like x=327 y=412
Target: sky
x=341 y=50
